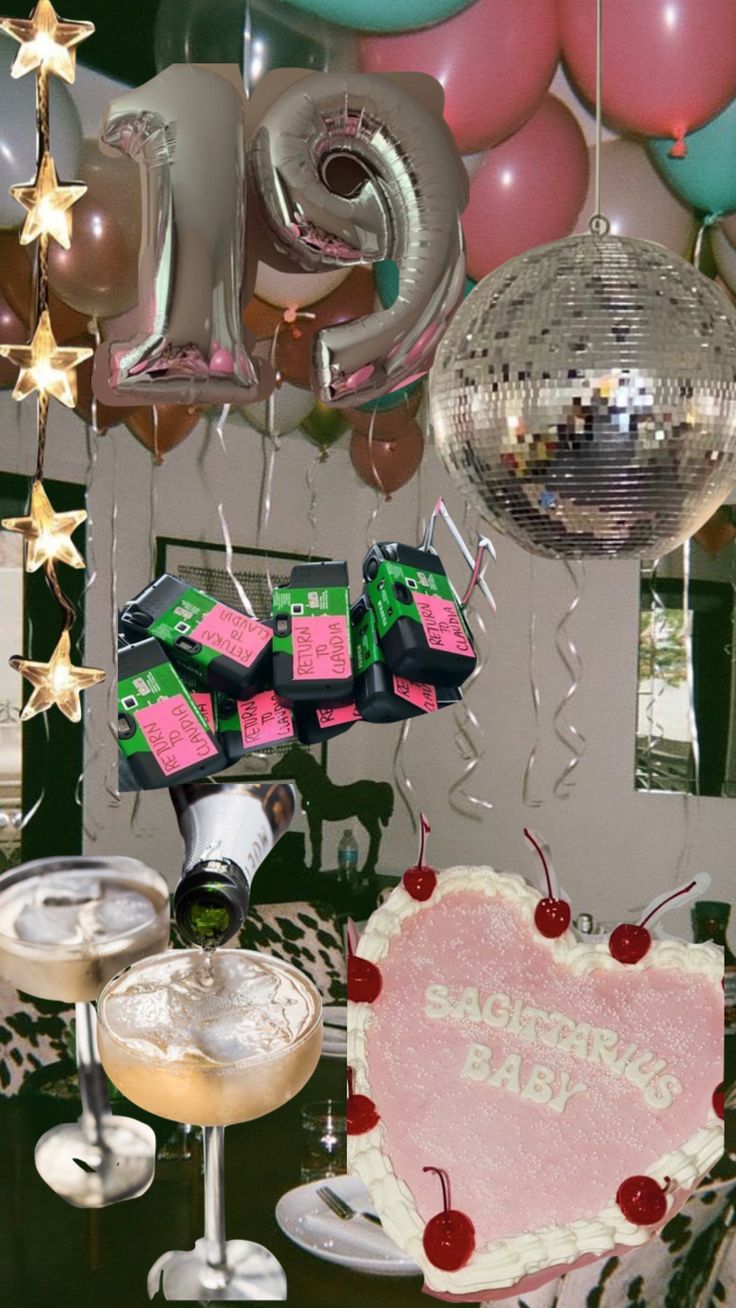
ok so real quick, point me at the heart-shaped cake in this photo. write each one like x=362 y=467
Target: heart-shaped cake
x=522 y=1105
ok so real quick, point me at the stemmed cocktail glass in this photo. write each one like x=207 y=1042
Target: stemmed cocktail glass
x=66 y=926
x=212 y=1037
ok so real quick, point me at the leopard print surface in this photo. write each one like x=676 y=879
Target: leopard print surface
x=37 y=1036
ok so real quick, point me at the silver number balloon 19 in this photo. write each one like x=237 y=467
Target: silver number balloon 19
x=408 y=193
x=185 y=129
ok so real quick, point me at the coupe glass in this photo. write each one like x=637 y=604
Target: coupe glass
x=66 y=926
x=213 y=1038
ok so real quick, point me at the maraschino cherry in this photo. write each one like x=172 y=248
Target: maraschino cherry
x=449 y=1236
x=419 y=881
x=630 y=941
x=364 y=978
x=360 y=1111
x=552 y=914
x=642 y=1200
x=719 y=1102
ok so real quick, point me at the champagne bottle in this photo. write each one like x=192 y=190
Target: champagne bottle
x=228 y=830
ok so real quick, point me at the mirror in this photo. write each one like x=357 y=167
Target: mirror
x=683 y=746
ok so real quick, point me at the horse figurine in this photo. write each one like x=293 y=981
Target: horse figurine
x=370 y=802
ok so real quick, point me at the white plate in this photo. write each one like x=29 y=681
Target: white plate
x=295 y=1208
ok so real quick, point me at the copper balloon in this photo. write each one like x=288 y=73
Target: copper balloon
x=386 y=466
x=12 y=332
x=175 y=422
x=98 y=274
x=16 y=284
x=387 y=424
x=354 y=298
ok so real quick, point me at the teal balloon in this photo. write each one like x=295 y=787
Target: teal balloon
x=384 y=15
x=706 y=177
x=392 y=400
x=386 y=274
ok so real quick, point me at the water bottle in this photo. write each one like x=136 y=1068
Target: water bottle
x=347 y=857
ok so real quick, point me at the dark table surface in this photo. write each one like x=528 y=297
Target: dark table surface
x=52 y=1254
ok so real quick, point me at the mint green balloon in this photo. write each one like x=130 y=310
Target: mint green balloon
x=706 y=177
x=383 y=15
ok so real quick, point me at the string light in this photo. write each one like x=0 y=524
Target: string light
x=47 y=42
x=47 y=534
x=45 y=366
x=57 y=682
x=48 y=204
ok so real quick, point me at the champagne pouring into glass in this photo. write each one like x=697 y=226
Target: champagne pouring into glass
x=213 y=1035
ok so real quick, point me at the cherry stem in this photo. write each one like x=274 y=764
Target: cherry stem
x=540 y=851
x=350 y=1081
x=684 y=890
x=444 y=1182
x=424 y=829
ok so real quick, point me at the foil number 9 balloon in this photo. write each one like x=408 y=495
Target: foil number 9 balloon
x=405 y=201
x=185 y=129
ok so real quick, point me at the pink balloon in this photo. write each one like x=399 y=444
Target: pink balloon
x=668 y=65
x=495 y=61
x=527 y=191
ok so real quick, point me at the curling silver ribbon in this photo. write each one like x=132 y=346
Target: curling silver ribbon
x=567 y=733
x=31 y=812
x=655 y=732
x=240 y=590
x=534 y=691
x=270 y=446
x=469 y=737
x=710 y=220
x=688 y=834
x=91 y=830
x=370 y=530
x=402 y=780
x=112 y=689
x=312 y=510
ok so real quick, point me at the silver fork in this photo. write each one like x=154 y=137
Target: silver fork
x=341 y=1209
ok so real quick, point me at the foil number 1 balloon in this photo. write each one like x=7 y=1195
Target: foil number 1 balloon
x=186 y=130
x=400 y=198
x=408 y=191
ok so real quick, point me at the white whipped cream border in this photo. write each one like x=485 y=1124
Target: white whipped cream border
x=504 y=1262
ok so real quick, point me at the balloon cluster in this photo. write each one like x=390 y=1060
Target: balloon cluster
x=669 y=81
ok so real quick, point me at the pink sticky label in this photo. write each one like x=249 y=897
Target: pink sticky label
x=175 y=735
x=417 y=693
x=334 y=717
x=233 y=634
x=321 y=648
x=442 y=625
x=264 y=720
x=203 y=700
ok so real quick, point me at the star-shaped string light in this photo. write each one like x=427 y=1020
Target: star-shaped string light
x=46 y=42
x=48 y=203
x=57 y=682
x=47 y=534
x=45 y=366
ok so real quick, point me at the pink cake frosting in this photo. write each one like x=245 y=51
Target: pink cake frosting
x=539 y=1074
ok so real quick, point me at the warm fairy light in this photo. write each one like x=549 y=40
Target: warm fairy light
x=57 y=682
x=45 y=366
x=48 y=205
x=47 y=534
x=46 y=41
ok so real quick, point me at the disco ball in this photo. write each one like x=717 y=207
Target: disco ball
x=584 y=398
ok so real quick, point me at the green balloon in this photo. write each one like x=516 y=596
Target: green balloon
x=384 y=15
x=386 y=277
x=324 y=425
x=202 y=31
x=706 y=177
